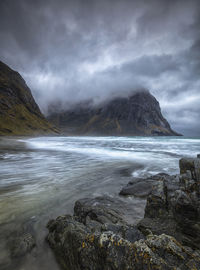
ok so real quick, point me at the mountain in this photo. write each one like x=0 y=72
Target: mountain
x=137 y=115
x=19 y=113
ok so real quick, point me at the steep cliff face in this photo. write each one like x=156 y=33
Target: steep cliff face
x=138 y=114
x=19 y=113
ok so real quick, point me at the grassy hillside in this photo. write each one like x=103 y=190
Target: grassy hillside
x=19 y=113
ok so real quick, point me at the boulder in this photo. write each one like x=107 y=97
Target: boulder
x=98 y=210
x=141 y=187
x=105 y=209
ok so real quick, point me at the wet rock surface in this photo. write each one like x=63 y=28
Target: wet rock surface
x=98 y=237
x=76 y=247
x=175 y=201
x=95 y=235
x=141 y=187
x=21 y=245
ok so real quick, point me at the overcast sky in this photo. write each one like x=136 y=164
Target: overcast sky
x=74 y=50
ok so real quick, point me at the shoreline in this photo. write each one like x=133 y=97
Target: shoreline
x=97 y=234
x=97 y=175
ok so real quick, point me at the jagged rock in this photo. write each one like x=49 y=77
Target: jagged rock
x=105 y=209
x=19 y=113
x=93 y=221
x=192 y=165
x=175 y=201
x=103 y=214
x=137 y=114
x=99 y=210
x=77 y=247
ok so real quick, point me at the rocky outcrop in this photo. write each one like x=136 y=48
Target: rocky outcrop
x=93 y=237
x=173 y=207
x=97 y=236
x=77 y=247
x=19 y=113
x=138 y=114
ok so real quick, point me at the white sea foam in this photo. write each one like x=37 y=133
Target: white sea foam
x=98 y=152
x=119 y=148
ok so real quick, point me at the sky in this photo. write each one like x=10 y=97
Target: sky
x=72 y=51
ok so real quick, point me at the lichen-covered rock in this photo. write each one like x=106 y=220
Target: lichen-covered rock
x=76 y=248
x=103 y=214
x=84 y=240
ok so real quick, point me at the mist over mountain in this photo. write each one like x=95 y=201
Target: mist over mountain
x=137 y=114
x=72 y=51
x=99 y=103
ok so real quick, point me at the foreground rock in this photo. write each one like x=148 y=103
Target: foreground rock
x=173 y=207
x=97 y=237
x=142 y=187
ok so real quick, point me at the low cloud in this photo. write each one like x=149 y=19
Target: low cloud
x=71 y=51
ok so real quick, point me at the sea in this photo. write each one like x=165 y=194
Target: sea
x=42 y=177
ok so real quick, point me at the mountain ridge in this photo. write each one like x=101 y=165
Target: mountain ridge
x=138 y=114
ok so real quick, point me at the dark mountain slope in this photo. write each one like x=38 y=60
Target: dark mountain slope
x=138 y=114
x=19 y=114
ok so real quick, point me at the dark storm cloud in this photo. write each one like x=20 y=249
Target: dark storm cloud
x=70 y=51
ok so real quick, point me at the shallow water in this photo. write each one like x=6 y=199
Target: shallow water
x=41 y=178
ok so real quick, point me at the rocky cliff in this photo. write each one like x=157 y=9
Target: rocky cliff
x=138 y=114
x=19 y=113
